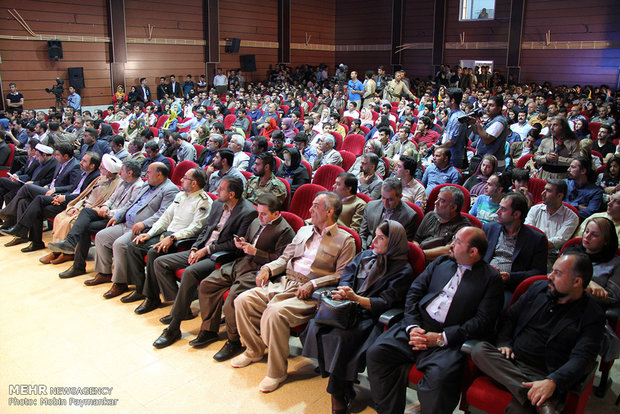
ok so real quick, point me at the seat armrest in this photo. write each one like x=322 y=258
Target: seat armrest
x=613 y=315
x=391 y=316
x=223 y=256
x=185 y=244
x=467 y=346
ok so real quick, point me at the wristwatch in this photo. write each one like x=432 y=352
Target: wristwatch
x=173 y=238
x=440 y=341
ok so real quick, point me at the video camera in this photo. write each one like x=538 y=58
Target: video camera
x=476 y=113
x=57 y=89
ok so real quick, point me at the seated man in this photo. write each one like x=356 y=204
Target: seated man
x=582 y=193
x=183 y=219
x=220 y=168
x=486 y=205
x=326 y=153
x=47 y=206
x=439 y=226
x=401 y=147
x=93 y=144
x=556 y=220
x=458 y=297
x=515 y=249
x=241 y=159
x=612 y=213
x=548 y=339
x=152 y=156
x=352 y=206
x=390 y=207
x=440 y=172
x=315 y=258
x=91 y=220
x=369 y=182
x=265 y=240
x=242 y=121
x=413 y=190
x=264 y=180
x=136 y=216
x=230 y=215
x=184 y=150
x=259 y=145
x=308 y=152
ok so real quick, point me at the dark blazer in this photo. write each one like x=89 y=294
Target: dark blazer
x=272 y=240
x=69 y=176
x=5 y=152
x=240 y=218
x=140 y=93
x=474 y=310
x=530 y=255
x=162 y=90
x=89 y=179
x=573 y=343
x=178 y=91
x=405 y=215
x=26 y=171
x=43 y=174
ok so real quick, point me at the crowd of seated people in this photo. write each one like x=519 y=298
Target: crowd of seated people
x=485 y=180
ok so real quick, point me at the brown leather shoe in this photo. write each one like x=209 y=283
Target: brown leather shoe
x=117 y=289
x=99 y=279
x=62 y=258
x=48 y=258
x=548 y=407
x=15 y=241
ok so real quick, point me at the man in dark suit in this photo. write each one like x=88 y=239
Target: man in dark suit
x=162 y=89
x=390 y=207
x=265 y=240
x=143 y=93
x=458 y=297
x=174 y=87
x=517 y=251
x=66 y=174
x=231 y=214
x=548 y=339
x=47 y=206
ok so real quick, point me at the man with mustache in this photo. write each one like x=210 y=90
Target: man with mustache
x=548 y=339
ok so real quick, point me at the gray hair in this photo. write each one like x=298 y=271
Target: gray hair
x=393 y=183
x=458 y=198
x=238 y=139
x=329 y=139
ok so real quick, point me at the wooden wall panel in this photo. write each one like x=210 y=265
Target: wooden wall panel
x=153 y=61
x=314 y=20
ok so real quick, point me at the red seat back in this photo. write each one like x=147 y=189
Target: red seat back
x=356 y=238
x=180 y=170
x=354 y=143
x=302 y=199
x=348 y=159
x=326 y=175
x=293 y=220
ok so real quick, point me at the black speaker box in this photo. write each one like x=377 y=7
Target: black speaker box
x=54 y=49
x=248 y=63
x=76 y=78
x=234 y=45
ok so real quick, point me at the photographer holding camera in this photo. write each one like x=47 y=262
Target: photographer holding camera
x=490 y=139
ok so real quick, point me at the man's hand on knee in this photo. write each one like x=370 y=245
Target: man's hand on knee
x=540 y=390
x=305 y=291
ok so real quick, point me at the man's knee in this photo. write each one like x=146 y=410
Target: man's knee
x=480 y=349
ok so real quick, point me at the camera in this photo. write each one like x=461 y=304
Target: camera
x=476 y=113
x=57 y=89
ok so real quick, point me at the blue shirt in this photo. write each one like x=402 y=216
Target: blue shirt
x=589 y=196
x=456 y=132
x=130 y=216
x=355 y=86
x=433 y=176
x=310 y=154
x=74 y=101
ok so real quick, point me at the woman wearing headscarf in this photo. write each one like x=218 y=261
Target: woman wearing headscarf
x=120 y=96
x=288 y=128
x=268 y=130
x=292 y=170
x=378 y=280
x=476 y=183
x=581 y=127
x=366 y=118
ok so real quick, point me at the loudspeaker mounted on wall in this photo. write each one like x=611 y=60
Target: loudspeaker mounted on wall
x=76 y=78
x=248 y=63
x=54 y=49
x=232 y=45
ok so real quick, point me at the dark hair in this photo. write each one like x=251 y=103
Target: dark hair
x=267 y=159
x=410 y=164
x=53 y=126
x=455 y=94
x=301 y=137
x=133 y=166
x=335 y=115
x=582 y=267
x=587 y=165
x=147 y=133
x=560 y=186
x=235 y=185
x=350 y=181
x=261 y=142
x=519 y=174
x=200 y=176
x=270 y=201
x=518 y=202
x=95 y=159
x=499 y=101
x=479 y=241
x=372 y=158
x=93 y=132
x=138 y=143
x=384 y=227
x=162 y=168
x=425 y=120
x=151 y=145
x=64 y=149
x=227 y=154
x=277 y=134
x=218 y=126
x=607 y=174
x=117 y=139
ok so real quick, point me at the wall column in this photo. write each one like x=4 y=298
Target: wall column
x=118 y=45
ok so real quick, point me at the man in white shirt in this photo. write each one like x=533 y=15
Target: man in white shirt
x=522 y=127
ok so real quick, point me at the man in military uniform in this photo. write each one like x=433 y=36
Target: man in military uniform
x=264 y=181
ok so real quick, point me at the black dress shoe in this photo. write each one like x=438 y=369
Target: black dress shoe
x=203 y=339
x=71 y=272
x=229 y=350
x=61 y=247
x=168 y=318
x=132 y=297
x=7 y=225
x=167 y=338
x=33 y=247
x=16 y=231
x=16 y=241
x=147 y=306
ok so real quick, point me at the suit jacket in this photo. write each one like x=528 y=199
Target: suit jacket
x=177 y=89
x=43 y=175
x=155 y=206
x=140 y=93
x=69 y=176
x=89 y=179
x=474 y=310
x=240 y=218
x=572 y=344
x=336 y=250
x=530 y=255
x=405 y=215
x=162 y=90
x=26 y=171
